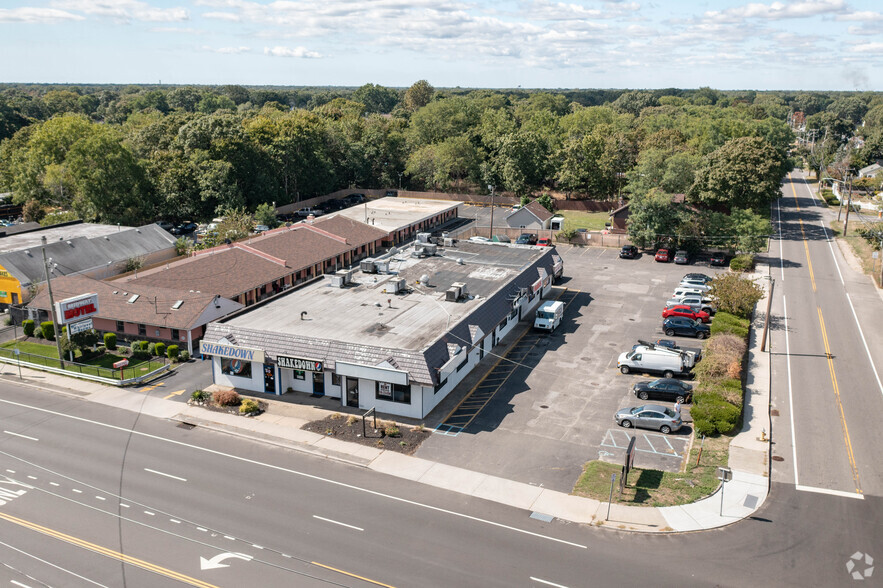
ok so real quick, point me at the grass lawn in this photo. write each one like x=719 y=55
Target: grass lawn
x=655 y=487
x=860 y=247
x=575 y=219
x=100 y=366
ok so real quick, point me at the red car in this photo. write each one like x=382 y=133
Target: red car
x=688 y=312
x=663 y=255
x=544 y=242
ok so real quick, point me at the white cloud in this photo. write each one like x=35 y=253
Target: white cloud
x=124 y=10
x=228 y=16
x=778 y=10
x=301 y=52
x=179 y=30
x=32 y=15
x=876 y=47
x=866 y=16
x=226 y=50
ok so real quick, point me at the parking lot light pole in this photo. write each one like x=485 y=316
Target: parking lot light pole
x=55 y=322
x=491 y=188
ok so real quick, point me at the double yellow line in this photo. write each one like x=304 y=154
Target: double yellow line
x=829 y=356
x=106 y=552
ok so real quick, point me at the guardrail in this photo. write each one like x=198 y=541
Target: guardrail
x=94 y=373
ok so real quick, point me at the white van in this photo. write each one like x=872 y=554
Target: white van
x=652 y=358
x=549 y=315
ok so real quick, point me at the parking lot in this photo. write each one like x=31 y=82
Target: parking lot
x=540 y=414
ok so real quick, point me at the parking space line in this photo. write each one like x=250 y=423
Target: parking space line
x=650 y=444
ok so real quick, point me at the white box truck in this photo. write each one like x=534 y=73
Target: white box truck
x=653 y=358
x=549 y=315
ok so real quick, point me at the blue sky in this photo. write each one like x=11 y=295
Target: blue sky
x=802 y=44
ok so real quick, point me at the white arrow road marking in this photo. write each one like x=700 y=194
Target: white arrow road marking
x=215 y=562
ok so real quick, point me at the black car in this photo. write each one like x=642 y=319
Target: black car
x=664 y=389
x=184 y=228
x=352 y=199
x=628 y=252
x=718 y=259
x=526 y=239
x=696 y=276
x=682 y=257
x=681 y=325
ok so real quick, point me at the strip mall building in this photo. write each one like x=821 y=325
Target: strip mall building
x=397 y=335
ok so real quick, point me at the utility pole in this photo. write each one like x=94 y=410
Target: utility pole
x=848 y=205
x=52 y=304
x=491 y=188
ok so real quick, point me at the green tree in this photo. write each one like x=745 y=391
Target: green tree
x=744 y=173
x=418 y=95
x=546 y=202
x=376 y=98
x=653 y=219
x=265 y=214
x=580 y=167
x=734 y=294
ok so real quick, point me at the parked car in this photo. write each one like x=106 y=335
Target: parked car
x=526 y=239
x=352 y=199
x=694 y=302
x=391 y=193
x=184 y=228
x=628 y=252
x=697 y=276
x=688 y=312
x=544 y=242
x=478 y=239
x=165 y=225
x=671 y=344
x=261 y=228
x=679 y=325
x=695 y=284
x=663 y=255
x=501 y=239
x=646 y=357
x=718 y=259
x=664 y=389
x=307 y=211
x=682 y=257
x=682 y=291
x=649 y=416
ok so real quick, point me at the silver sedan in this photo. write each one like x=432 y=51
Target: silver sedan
x=650 y=416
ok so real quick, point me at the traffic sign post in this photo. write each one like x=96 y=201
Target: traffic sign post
x=121 y=364
x=17 y=352
x=609 y=500
x=724 y=475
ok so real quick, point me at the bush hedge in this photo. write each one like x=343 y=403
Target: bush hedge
x=172 y=352
x=110 y=341
x=712 y=414
x=185 y=355
x=742 y=263
x=725 y=322
x=249 y=406
x=47 y=329
x=226 y=398
x=27 y=326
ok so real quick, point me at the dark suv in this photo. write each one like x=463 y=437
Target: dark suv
x=628 y=252
x=681 y=325
x=526 y=239
x=352 y=199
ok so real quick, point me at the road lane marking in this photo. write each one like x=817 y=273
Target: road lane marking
x=164 y=474
x=363 y=578
x=547 y=583
x=790 y=390
x=19 y=584
x=831 y=492
x=22 y=436
x=781 y=240
x=101 y=498
x=49 y=563
x=865 y=343
x=178 y=393
x=849 y=453
x=805 y=242
x=109 y=553
x=338 y=523
x=305 y=475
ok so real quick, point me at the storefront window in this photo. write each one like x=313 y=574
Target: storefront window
x=393 y=392
x=236 y=367
x=335 y=380
x=300 y=375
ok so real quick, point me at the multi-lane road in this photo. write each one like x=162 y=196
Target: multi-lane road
x=91 y=495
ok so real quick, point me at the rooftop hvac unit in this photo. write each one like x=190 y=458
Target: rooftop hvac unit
x=382 y=266
x=430 y=249
x=368 y=266
x=395 y=286
x=449 y=242
x=337 y=281
x=455 y=292
x=423 y=237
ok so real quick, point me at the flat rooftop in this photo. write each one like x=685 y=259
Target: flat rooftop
x=31 y=240
x=392 y=214
x=363 y=314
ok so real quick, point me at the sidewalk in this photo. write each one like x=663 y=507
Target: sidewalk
x=281 y=426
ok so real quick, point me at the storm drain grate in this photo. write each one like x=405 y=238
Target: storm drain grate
x=778 y=458
x=185 y=425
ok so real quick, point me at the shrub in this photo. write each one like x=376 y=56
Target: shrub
x=742 y=263
x=151 y=349
x=734 y=294
x=185 y=355
x=199 y=396
x=727 y=344
x=143 y=346
x=110 y=341
x=352 y=420
x=47 y=329
x=226 y=398
x=725 y=322
x=566 y=234
x=28 y=327
x=159 y=349
x=391 y=430
x=249 y=406
x=172 y=352
x=712 y=414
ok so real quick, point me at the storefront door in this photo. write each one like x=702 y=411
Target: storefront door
x=269 y=378
x=352 y=392
x=318 y=383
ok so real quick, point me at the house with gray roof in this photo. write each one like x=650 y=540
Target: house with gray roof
x=398 y=339
x=532 y=216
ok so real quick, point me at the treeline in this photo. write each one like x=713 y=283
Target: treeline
x=132 y=154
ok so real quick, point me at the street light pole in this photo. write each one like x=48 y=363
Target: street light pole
x=848 y=205
x=52 y=304
x=491 y=188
